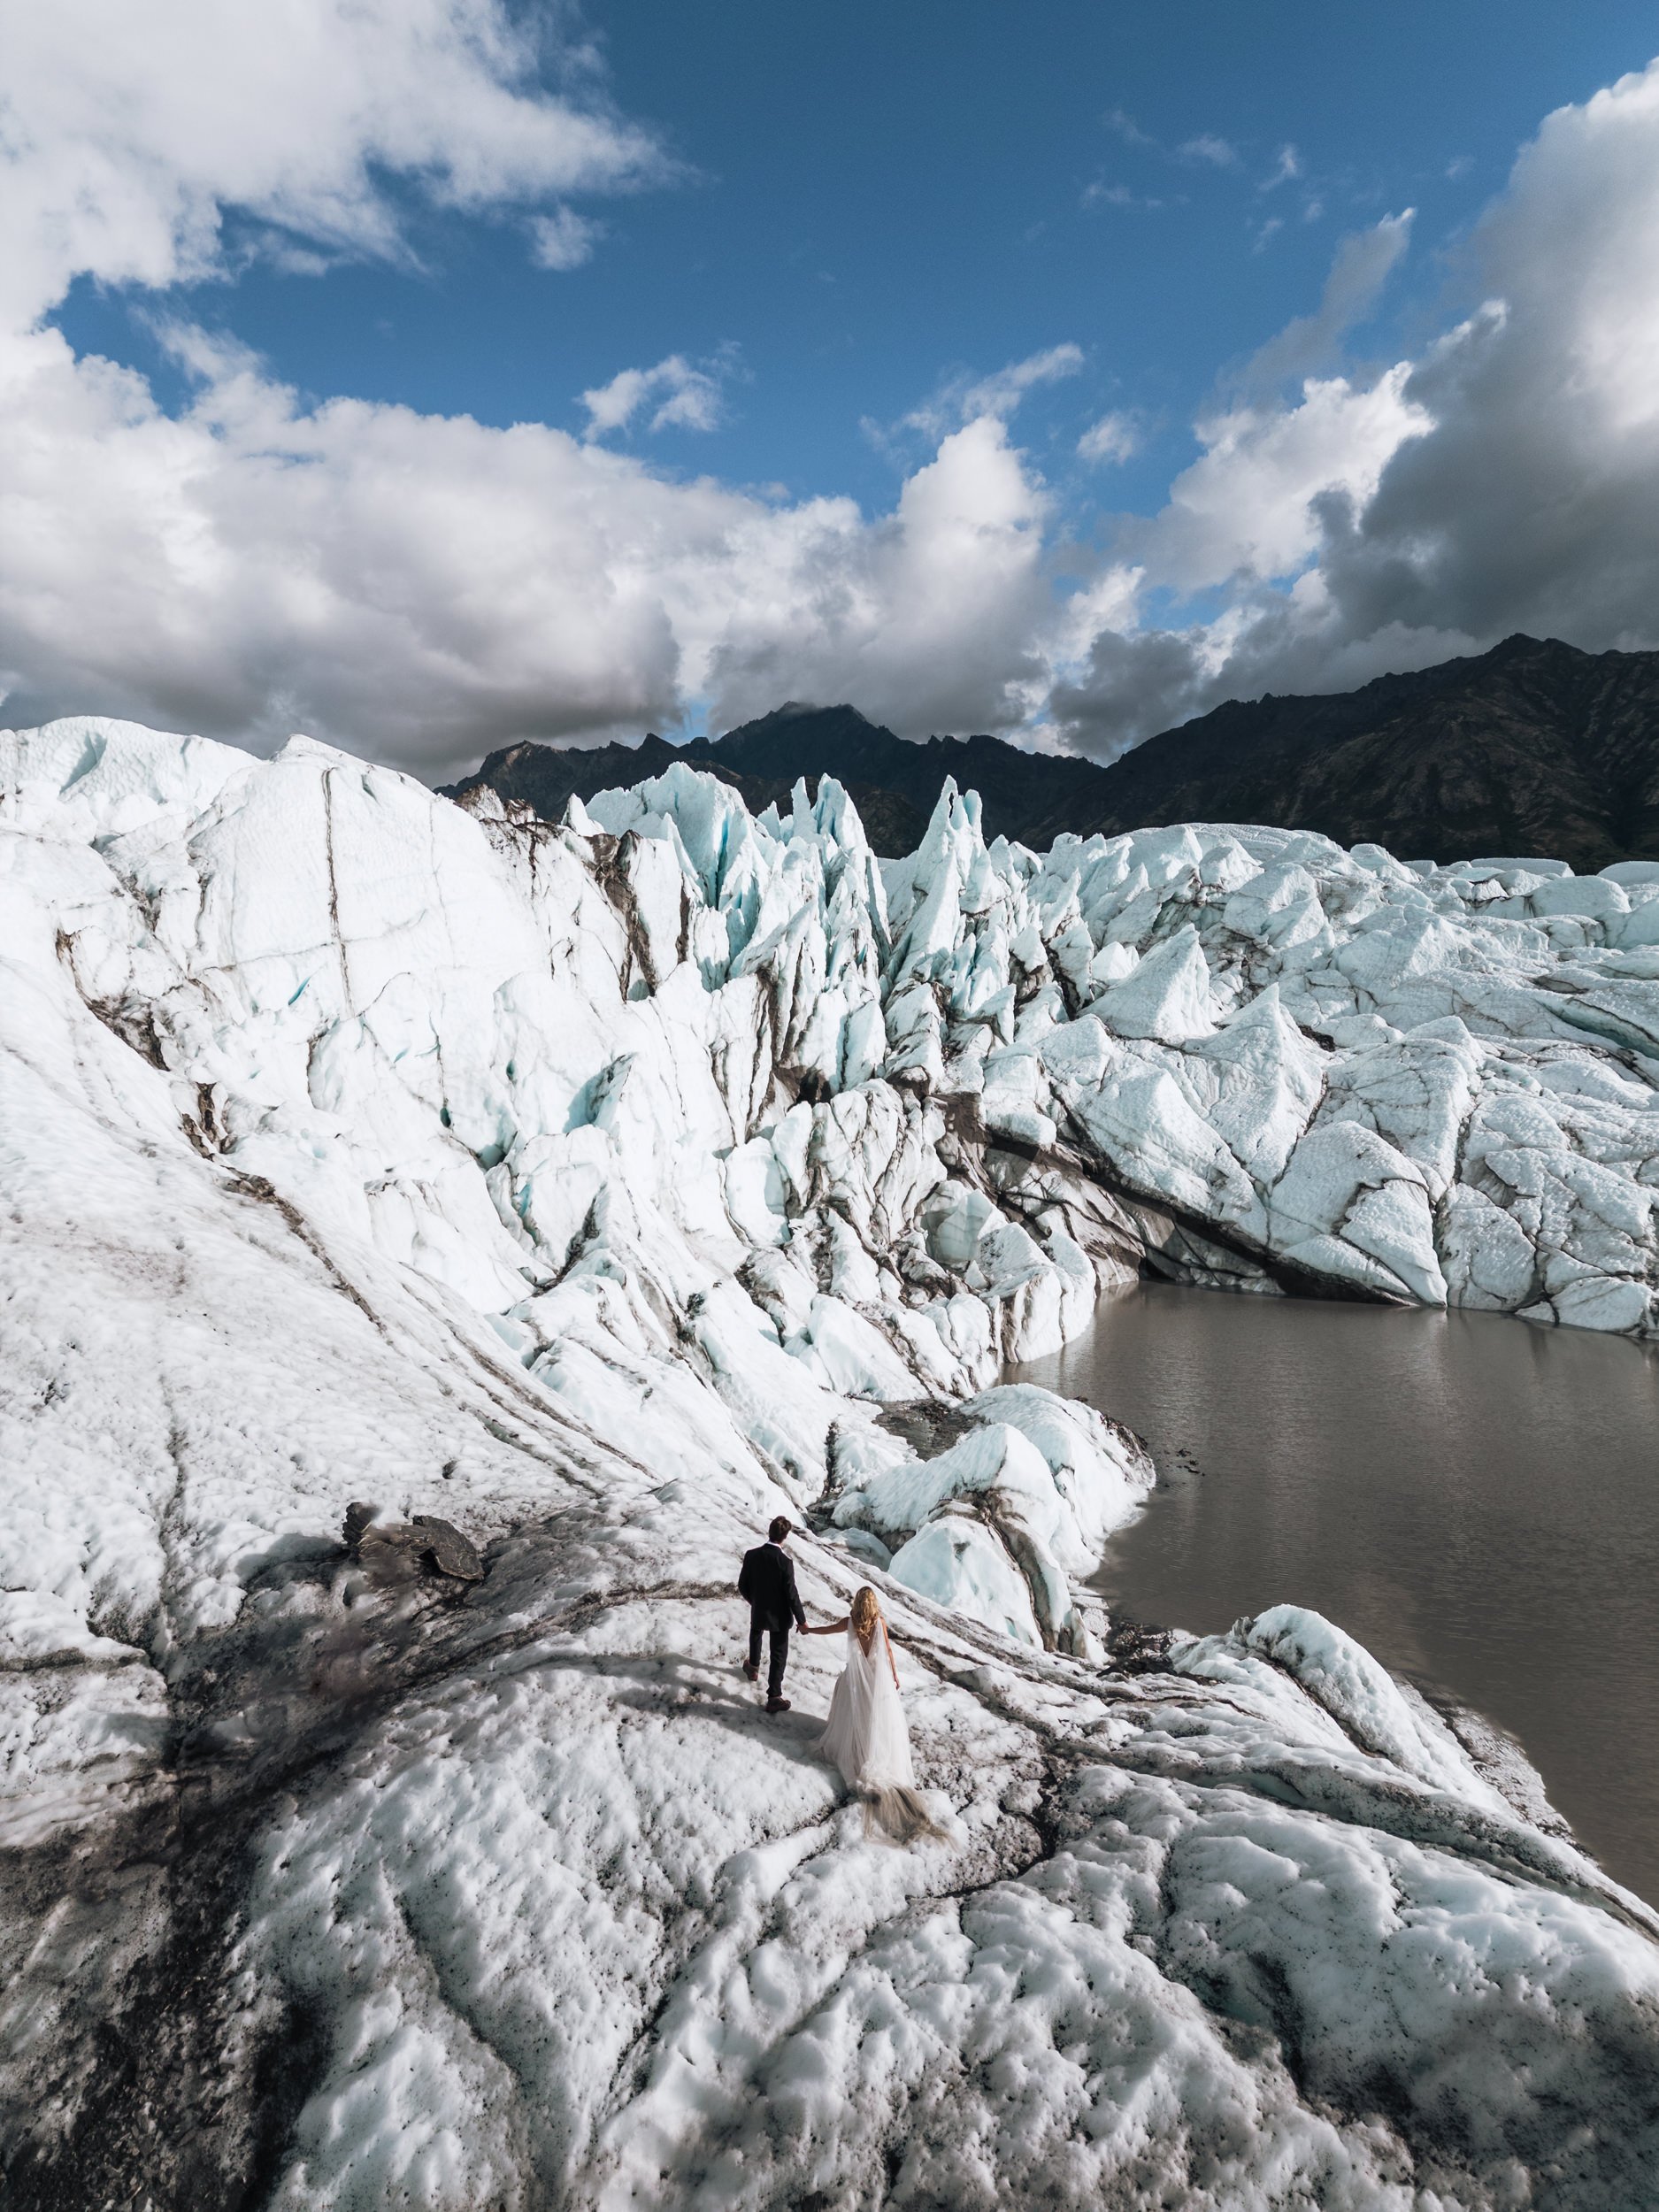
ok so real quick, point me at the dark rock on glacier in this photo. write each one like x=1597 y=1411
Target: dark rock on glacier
x=432 y=1542
x=450 y=1552
x=359 y=1517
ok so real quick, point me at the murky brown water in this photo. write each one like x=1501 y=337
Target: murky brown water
x=1475 y=1499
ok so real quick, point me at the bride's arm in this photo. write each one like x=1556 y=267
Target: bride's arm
x=887 y=1641
x=829 y=1628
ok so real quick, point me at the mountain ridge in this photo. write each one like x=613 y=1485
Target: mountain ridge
x=1533 y=748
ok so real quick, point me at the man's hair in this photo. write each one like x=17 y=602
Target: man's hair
x=780 y=1529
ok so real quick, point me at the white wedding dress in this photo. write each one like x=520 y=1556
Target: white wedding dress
x=869 y=1739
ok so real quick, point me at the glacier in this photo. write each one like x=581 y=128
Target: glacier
x=605 y=1187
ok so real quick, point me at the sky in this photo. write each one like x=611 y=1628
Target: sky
x=430 y=374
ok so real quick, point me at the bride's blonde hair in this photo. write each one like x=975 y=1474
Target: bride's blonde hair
x=865 y=1611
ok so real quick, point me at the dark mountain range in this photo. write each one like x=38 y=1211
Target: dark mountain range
x=1533 y=748
x=545 y=777
x=894 y=784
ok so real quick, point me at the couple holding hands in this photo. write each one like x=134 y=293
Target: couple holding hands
x=867 y=1735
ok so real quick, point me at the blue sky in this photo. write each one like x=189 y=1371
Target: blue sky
x=873 y=199
x=818 y=236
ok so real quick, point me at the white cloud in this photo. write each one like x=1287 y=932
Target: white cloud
x=1127 y=128
x=1507 y=477
x=1285 y=170
x=678 y=396
x=414 y=586
x=1249 y=507
x=1114 y=437
x=420 y=587
x=933 y=618
x=1101 y=194
x=563 y=240
x=965 y=398
x=1208 y=147
x=1536 y=501
x=125 y=132
x=1000 y=393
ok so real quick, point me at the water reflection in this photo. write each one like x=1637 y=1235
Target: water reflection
x=1475 y=1499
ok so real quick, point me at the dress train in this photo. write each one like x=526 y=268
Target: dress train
x=869 y=1740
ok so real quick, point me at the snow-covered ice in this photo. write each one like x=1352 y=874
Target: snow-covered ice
x=605 y=1189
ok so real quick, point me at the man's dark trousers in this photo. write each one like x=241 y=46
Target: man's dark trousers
x=768 y=1582
x=761 y=1624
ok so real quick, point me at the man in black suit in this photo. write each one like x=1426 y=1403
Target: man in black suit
x=768 y=1582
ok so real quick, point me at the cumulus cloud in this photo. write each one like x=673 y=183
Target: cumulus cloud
x=1253 y=508
x=1506 y=478
x=1535 y=502
x=127 y=134
x=936 y=616
x=678 y=396
x=422 y=588
x=412 y=585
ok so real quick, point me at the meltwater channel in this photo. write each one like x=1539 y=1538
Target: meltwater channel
x=1475 y=1499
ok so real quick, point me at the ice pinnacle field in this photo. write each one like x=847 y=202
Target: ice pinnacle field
x=605 y=1188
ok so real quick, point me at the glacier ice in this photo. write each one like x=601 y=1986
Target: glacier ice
x=604 y=1188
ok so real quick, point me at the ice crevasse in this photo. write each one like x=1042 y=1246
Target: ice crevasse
x=607 y=1187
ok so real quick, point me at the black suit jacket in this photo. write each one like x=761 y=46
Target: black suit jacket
x=768 y=1582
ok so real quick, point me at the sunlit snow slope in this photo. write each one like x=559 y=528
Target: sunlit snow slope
x=605 y=1190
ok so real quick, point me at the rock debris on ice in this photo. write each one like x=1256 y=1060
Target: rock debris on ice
x=598 y=1191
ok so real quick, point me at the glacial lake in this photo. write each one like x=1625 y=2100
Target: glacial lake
x=1475 y=1499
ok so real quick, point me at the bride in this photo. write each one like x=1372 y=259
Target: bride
x=867 y=1737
